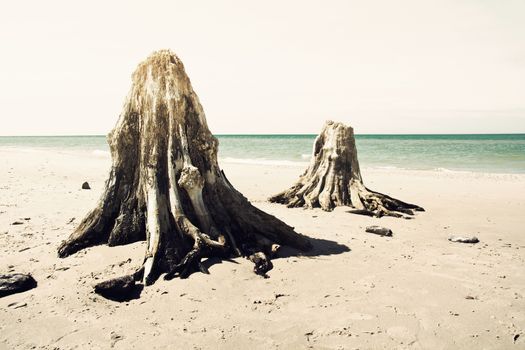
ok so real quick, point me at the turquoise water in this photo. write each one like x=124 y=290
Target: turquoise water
x=502 y=153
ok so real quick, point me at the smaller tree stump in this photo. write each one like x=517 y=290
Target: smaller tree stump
x=334 y=179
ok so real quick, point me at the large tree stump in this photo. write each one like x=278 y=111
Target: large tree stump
x=334 y=179
x=165 y=185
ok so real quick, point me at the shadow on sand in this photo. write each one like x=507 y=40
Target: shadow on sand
x=120 y=296
x=216 y=260
x=121 y=289
x=320 y=247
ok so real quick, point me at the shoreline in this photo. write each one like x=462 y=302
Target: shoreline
x=101 y=154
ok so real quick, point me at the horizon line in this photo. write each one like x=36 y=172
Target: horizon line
x=288 y=134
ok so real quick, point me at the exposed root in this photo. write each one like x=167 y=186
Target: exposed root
x=376 y=204
x=203 y=245
x=262 y=263
x=365 y=201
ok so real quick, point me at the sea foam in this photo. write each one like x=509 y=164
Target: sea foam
x=263 y=162
x=101 y=153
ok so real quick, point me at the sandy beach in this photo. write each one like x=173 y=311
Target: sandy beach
x=355 y=290
x=159 y=162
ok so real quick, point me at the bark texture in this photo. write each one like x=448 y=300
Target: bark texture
x=165 y=185
x=334 y=179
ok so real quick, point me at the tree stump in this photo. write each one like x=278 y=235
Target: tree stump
x=334 y=179
x=165 y=185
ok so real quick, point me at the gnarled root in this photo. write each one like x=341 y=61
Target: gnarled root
x=262 y=263
x=376 y=204
x=365 y=201
x=203 y=246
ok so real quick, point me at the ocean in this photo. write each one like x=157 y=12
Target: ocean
x=498 y=153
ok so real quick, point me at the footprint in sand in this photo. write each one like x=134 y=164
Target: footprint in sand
x=359 y=316
x=401 y=334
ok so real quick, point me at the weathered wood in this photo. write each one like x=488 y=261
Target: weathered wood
x=16 y=283
x=262 y=263
x=166 y=186
x=463 y=239
x=379 y=230
x=334 y=179
x=118 y=289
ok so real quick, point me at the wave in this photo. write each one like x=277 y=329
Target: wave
x=439 y=170
x=446 y=170
x=385 y=167
x=101 y=153
x=413 y=168
x=23 y=149
x=262 y=161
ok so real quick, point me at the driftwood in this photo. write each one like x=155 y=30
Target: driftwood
x=463 y=239
x=119 y=289
x=379 y=230
x=165 y=185
x=16 y=283
x=334 y=179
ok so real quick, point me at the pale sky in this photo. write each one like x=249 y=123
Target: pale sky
x=444 y=66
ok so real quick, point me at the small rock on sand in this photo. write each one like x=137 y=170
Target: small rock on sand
x=115 y=338
x=85 y=186
x=463 y=239
x=378 y=230
x=15 y=283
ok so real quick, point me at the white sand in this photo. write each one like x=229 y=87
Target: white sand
x=408 y=291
